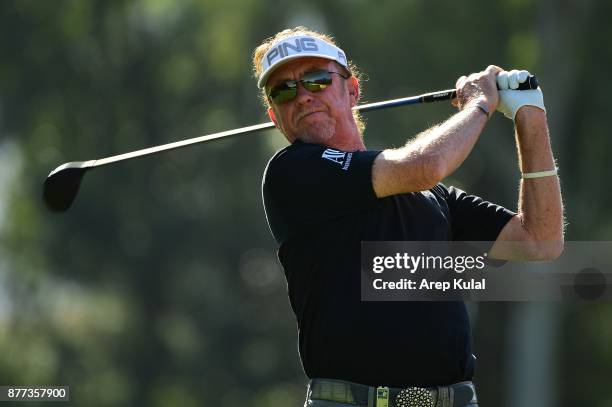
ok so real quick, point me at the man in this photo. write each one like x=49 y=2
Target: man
x=326 y=193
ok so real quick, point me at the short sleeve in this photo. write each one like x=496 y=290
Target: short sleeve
x=306 y=184
x=472 y=218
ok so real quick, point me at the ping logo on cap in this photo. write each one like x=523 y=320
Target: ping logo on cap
x=298 y=46
x=283 y=49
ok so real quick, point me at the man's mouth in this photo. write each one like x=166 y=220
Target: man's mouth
x=308 y=113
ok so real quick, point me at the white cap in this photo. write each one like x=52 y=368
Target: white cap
x=298 y=46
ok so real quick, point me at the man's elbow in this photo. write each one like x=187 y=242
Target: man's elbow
x=541 y=243
x=546 y=250
x=407 y=170
x=433 y=170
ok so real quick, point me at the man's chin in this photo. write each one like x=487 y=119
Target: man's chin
x=316 y=133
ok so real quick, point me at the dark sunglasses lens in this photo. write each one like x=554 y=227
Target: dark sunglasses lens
x=317 y=81
x=313 y=82
x=283 y=93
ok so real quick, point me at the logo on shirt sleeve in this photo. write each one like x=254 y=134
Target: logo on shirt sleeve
x=339 y=157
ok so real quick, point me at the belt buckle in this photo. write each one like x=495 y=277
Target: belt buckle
x=382 y=396
x=414 y=397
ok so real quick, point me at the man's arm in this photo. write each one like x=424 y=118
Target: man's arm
x=436 y=153
x=536 y=232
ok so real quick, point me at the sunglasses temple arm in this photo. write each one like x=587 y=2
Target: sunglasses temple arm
x=412 y=100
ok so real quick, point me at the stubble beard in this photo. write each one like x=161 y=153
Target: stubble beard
x=318 y=133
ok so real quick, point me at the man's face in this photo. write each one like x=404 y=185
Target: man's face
x=323 y=117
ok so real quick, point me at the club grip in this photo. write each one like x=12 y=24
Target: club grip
x=530 y=83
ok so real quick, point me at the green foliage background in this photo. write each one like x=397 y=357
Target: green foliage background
x=160 y=286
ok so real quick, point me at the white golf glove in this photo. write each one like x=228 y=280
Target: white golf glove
x=511 y=100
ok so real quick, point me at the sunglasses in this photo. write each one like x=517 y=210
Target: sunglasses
x=314 y=81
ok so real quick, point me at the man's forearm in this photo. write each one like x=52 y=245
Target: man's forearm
x=452 y=141
x=540 y=205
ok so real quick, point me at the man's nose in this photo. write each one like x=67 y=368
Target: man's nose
x=303 y=94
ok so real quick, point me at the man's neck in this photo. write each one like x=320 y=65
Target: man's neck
x=354 y=145
x=341 y=141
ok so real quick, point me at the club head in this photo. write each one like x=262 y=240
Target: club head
x=62 y=185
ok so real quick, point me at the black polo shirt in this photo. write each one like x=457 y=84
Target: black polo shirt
x=320 y=206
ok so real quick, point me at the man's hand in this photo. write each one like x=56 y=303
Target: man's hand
x=478 y=89
x=511 y=100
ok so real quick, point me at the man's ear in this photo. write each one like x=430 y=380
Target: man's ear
x=353 y=88
x=272 y=116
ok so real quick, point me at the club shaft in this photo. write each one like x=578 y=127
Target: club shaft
x=448 y=94
x=442 y=95
x=425 y=98
x=182 y=143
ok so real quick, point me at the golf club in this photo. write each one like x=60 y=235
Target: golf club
x=62 y=184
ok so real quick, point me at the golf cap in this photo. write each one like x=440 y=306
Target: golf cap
x=298 y=46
